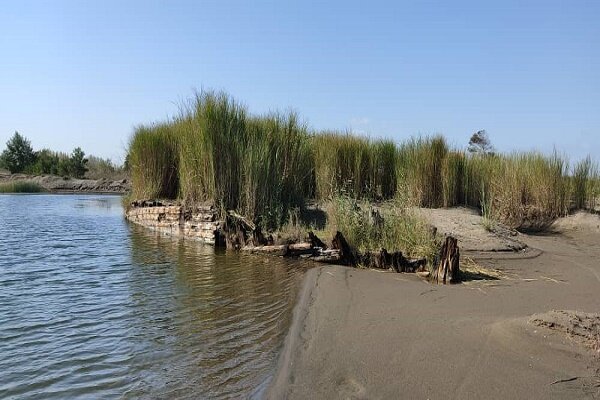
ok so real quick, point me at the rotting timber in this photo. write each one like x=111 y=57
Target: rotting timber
x=239 y=233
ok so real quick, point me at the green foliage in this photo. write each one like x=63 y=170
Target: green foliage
x=585 y=180
x=153 y=156
x=20 y=187
x=78 y=163
x=420 y=166
x=353 y=165
x=397 y=229
x=258 y=165
x=265 y=166
x=18 y=154
x=46 y=162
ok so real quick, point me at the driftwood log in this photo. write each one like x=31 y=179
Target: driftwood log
x=385 y=260
x=242 y=234
x=448 y=270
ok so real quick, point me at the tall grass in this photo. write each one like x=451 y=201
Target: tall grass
x=529 y=190
x=258 y=165
x=420 y=166
x=21 y=187
x=266 y=165
x=354 y=166
x=153 y=156
x=585 y=184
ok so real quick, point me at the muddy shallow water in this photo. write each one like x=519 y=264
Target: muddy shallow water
x=91 y=306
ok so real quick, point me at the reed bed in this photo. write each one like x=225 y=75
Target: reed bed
x=153 y=156
x=21 y=187
x=264 y=166
x=353 y=165
x=216 y=152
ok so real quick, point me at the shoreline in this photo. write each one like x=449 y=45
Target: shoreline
x=363 y=334
x=53 y=184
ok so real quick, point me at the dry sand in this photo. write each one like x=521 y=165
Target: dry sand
x=360 y=334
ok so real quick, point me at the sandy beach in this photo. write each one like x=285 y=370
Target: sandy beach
x=361 y=334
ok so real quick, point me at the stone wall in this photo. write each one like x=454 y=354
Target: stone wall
x=199 y=223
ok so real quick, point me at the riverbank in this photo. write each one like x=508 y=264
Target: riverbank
x=362 y=334
x=58 y=184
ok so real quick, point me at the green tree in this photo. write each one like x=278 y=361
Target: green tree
x=78 y=163
x=46 y=163
x=18 y=154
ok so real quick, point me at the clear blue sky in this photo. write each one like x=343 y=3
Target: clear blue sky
x=84 y=73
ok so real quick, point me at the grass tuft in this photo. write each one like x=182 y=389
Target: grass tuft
x=21 y=187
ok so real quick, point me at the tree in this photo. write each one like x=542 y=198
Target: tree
x=78 y=163
x=18 y=154
x=480 y=143
x=46 y=162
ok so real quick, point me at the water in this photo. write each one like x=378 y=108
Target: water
x=94 y=307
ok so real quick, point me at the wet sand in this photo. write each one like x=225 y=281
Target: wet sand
x=360 y=334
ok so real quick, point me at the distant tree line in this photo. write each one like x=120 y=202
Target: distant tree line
x=19 y=156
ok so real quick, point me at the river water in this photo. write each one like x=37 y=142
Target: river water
x=94 y=307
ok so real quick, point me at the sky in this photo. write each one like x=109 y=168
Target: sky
x=85 y=73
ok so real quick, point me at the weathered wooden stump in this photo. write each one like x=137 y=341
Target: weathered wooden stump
x=315 y=241
x=448 y=270
x=346 y=255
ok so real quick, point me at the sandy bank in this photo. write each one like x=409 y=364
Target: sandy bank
x=57 y=184
x=361 y=334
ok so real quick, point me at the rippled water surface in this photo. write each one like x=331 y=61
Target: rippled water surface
x=93 y=307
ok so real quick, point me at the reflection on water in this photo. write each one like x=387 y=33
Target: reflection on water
x=91 y=306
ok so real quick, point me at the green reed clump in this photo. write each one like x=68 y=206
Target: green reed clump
x=353 y=165
x=453 y=172
x=277 y=169
x=585 y=184
x=153 y=157
x=420 y=165
x=260 y=166
x=529 y=191
x=21 y=187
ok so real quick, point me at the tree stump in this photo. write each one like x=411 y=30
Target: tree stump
x=315 y=241
x=346 y=255
x=448 y=270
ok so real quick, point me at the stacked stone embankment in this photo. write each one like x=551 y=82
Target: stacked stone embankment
x=198 y=222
